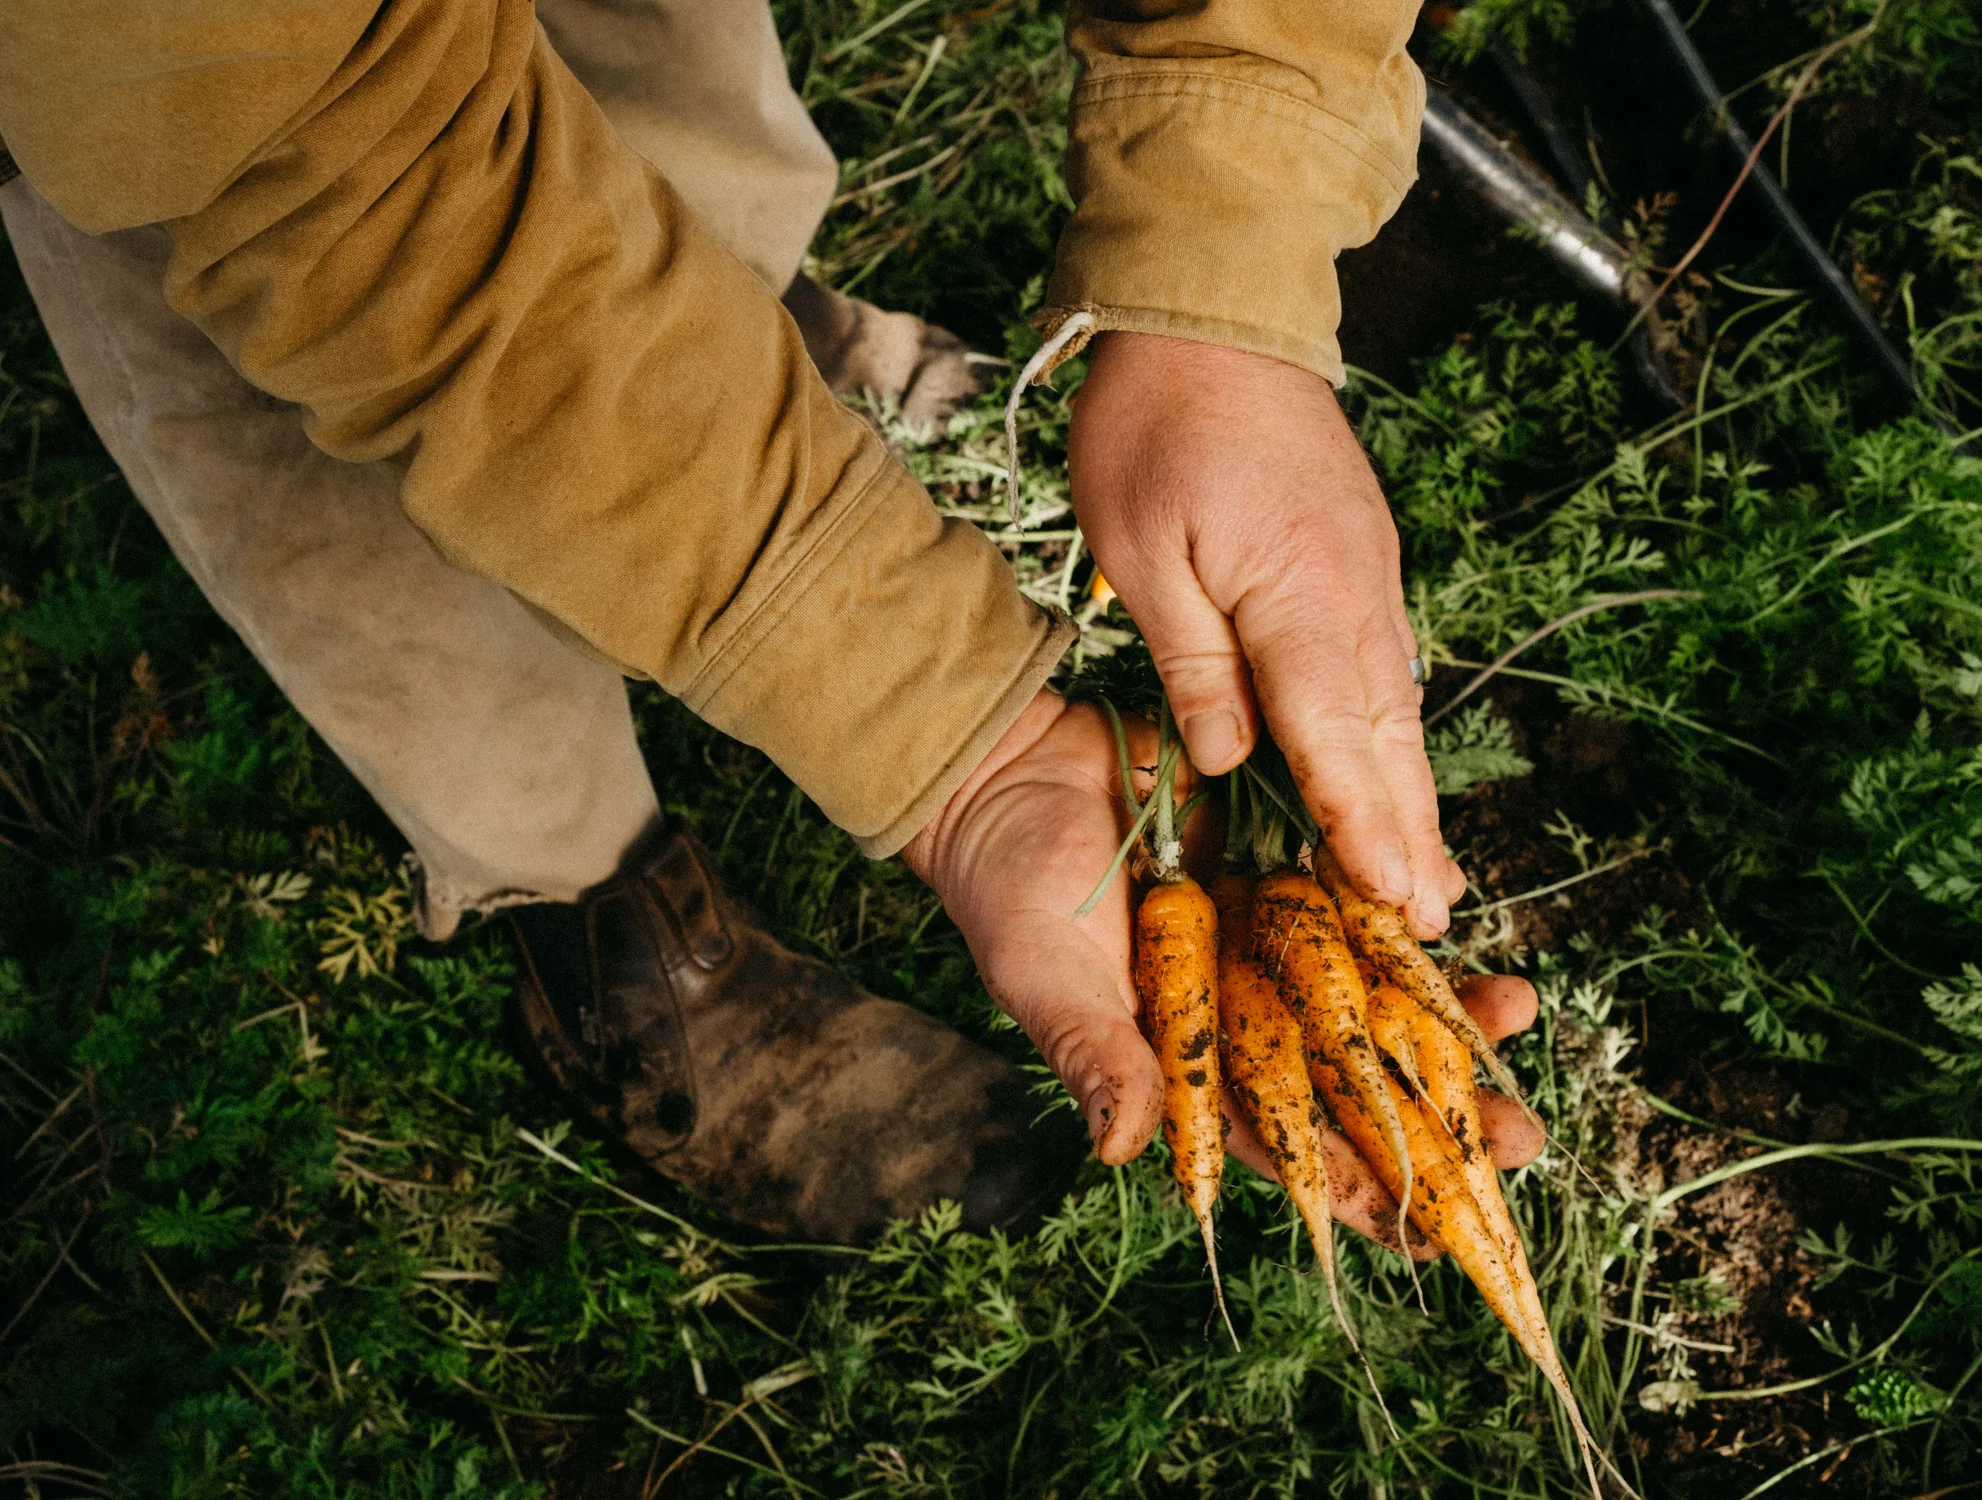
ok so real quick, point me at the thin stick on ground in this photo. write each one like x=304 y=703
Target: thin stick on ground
x=1493 y=668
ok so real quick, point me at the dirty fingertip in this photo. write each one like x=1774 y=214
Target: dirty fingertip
x=1118 y=1135
x=1503 y=1004
x=1428 y=916
x=1100 y=1112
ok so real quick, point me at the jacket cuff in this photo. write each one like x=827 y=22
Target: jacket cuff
x=1212 y=208
x=887 y=664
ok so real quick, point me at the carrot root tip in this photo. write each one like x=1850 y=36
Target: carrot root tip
x=1217 y=1283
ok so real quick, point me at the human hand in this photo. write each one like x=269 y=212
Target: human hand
x=1019 y=846
x=1229 y=504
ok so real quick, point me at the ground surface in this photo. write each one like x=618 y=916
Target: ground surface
x=287 y=1217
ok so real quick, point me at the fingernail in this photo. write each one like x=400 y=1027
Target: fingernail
x=1429 y=915
x=1396 y=876
x=1213 y=736
x=1100 y=1111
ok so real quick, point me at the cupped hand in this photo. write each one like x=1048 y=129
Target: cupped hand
x=1229 y=504
x=1018 y=848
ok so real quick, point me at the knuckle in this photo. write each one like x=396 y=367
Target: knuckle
x=1397 y=723
x=1199 y=675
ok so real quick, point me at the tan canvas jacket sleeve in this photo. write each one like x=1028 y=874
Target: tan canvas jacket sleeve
x=1221 y=153
x=412 y=221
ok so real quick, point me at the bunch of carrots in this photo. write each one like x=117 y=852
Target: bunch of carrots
x=1313 y=1004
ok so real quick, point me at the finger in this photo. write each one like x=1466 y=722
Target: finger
x=1455 y=882
x=1076 y=1004
x=1413 y=795
x=1192 y=641
x=1398 y=732
x=1503 y=1004
x=1204 y=671
x=1320 y=715
x=1513 y=1137
x=1400 y=621
x=1360 y=1201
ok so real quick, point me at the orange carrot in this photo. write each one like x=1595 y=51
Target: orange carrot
x=1266 y=1066
x=1299 y=940
x=1176 y=975
x=1380 y=937
x=1390 y=1029
x=1442 y=1205
x=1462 y=1204
x=1446 y=1069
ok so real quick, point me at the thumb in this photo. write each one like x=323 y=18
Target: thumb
x=1203 y=667
x=1076 y=1005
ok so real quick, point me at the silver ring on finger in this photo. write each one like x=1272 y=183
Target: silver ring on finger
x=1420 y=673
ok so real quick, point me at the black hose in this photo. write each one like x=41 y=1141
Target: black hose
x=1895 y=371
x=1569 y=163
x=1528 y=199
x=1653 y=373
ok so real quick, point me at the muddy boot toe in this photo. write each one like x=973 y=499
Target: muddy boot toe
x=762 y=1080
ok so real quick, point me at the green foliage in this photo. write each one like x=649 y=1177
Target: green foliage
x=1957 y=1005
x=1475 y=747
x=1925 y=238
x=1933 y=45
x=949 y=127
x=288 y=1217
x=1888 y=1397
x=1518 y=23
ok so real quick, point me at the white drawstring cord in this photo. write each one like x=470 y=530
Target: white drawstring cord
x=1076 y=325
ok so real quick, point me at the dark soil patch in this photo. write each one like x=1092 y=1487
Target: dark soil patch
x=1590 y=773
x=1748 y=1307
x=1421 y=282
x=575 y=1462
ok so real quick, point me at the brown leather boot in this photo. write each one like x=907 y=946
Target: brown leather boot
x=927 y=371
x=761 y=1080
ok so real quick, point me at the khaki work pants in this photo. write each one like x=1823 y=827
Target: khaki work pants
x=505 y=756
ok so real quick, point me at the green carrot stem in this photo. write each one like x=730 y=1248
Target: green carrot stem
x=1164 y=795
x=1143 y=817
